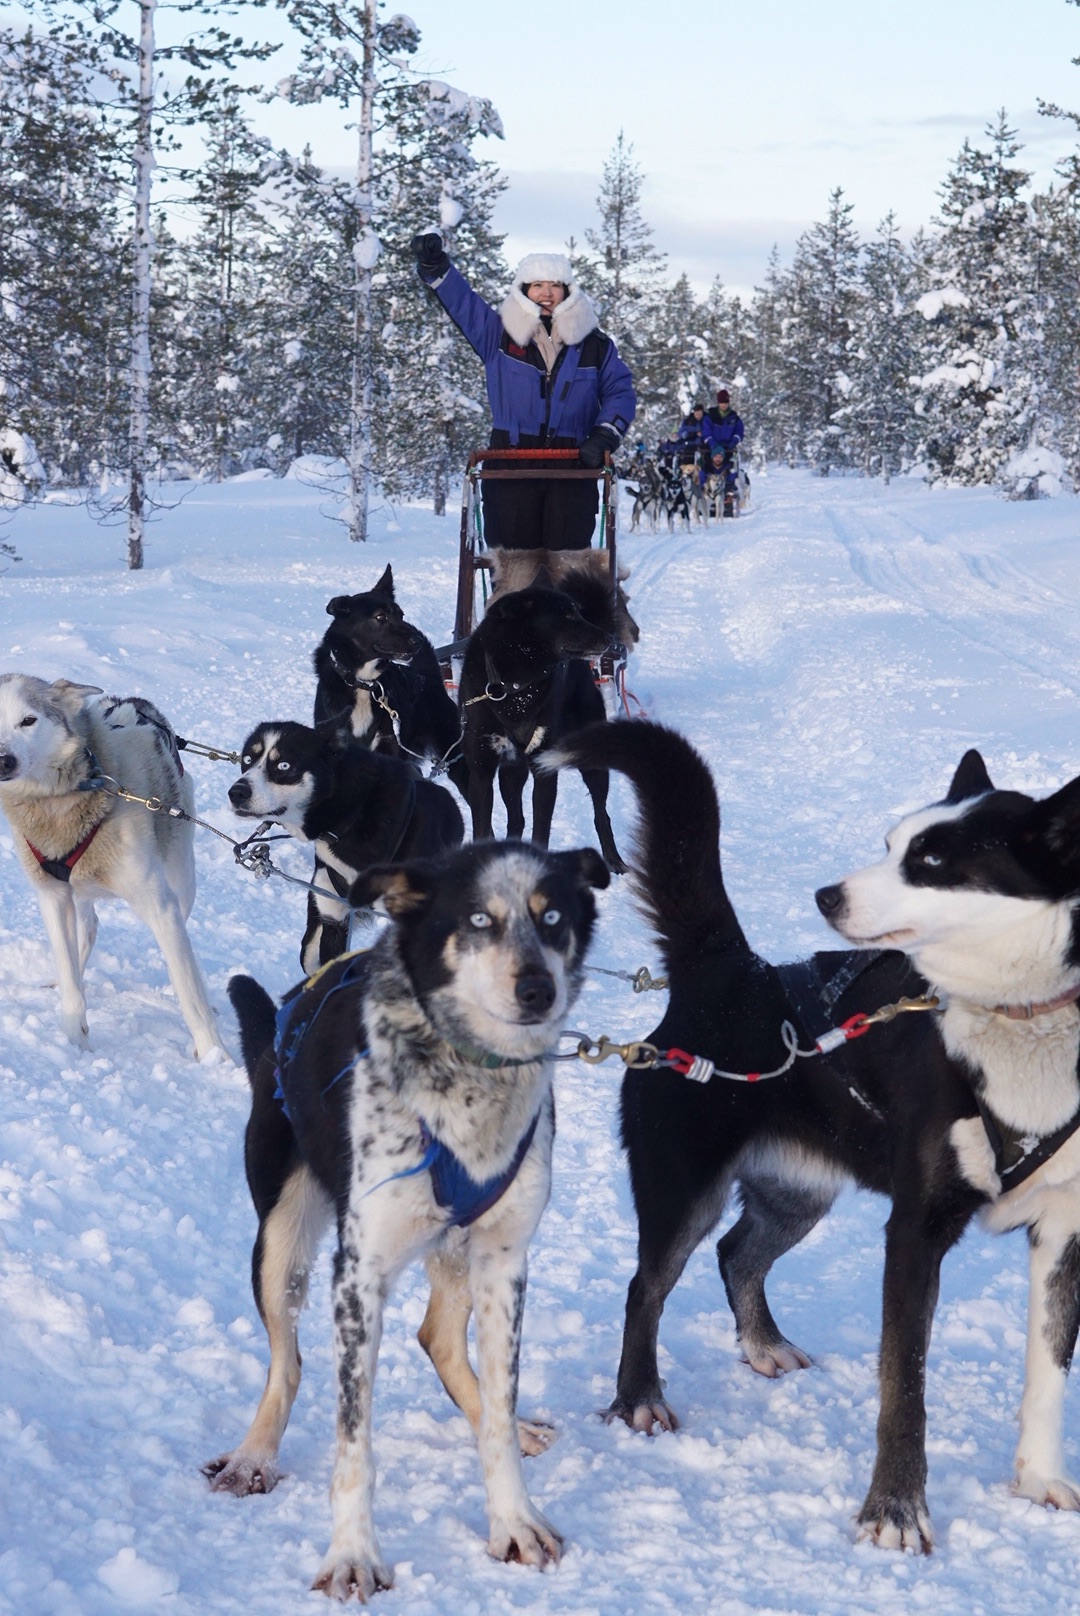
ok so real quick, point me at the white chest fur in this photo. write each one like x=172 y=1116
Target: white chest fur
x=1029 y=1068
x=363 y=713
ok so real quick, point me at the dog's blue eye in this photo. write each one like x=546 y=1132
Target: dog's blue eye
x=246 y=761
x=480 y=920
x=932 y=859
x=552 y=917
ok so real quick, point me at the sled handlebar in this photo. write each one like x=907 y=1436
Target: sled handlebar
x=521 y=454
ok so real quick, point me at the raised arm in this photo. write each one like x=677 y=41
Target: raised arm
x=476 y=320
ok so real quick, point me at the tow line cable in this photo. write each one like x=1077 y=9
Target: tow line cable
x=640 y=1056
x=253 y=854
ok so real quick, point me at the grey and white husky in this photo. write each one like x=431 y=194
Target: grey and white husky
x=78 y=844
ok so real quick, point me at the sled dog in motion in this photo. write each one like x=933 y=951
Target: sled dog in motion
x=981 y=891
x=358 y=807
x=409 y=1098
x=78 y=844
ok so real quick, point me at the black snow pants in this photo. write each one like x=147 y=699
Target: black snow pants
x=539 y=513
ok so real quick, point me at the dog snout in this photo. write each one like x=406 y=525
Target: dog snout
x=830 y=900
x=240 y=793
x=535 y=992
x=9 y=765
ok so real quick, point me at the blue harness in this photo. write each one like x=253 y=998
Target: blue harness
x=453 y=1186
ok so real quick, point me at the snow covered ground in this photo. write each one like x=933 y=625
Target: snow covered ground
x=832 y=654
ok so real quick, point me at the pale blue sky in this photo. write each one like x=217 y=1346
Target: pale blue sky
x=744 y=116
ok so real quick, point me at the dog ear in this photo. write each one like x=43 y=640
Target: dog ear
x=1055 y=824
x=403 y=888
x=385 y=585
x=340 y=606
x=70 y=697
x=590 y=868
x=970 y=779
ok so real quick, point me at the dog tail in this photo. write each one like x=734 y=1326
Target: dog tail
x=676 y=865
x=257 y=1015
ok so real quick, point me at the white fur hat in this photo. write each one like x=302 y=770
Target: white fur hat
x=544 y=267
x=573 y=319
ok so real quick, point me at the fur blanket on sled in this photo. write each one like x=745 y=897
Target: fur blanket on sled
x=584 y=575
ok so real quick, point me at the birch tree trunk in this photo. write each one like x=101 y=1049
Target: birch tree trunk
x=140 y=324
x=365 y=256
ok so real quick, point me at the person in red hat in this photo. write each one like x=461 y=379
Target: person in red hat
x=722 y=430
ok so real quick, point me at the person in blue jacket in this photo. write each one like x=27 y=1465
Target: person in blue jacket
x=554 y=381
x=691 y=434
x=723 y=431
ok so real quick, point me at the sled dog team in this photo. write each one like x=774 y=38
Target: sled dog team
x=404 y=1093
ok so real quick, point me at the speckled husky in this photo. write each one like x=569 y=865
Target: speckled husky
x=78 y=844
x=406 y=1093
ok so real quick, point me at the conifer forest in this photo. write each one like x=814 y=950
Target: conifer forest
x=182 y=300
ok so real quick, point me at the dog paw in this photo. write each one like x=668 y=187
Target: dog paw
x=896 y=1523
x=76 y=1031
x=342 y=1575
x=535 y=1436
x=1056 y=1492
x=649 y=1416
x=241 y=1474
x=616 y=865
x=527 y=1538
x=776 y=1358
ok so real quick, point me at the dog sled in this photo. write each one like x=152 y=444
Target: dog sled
x=484 y=571
x=727 y=490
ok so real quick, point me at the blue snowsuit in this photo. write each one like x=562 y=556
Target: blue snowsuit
x=588 y=385
x=723 y=434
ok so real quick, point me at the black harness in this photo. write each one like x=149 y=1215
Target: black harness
x=813 y=991
x=1017 y=1155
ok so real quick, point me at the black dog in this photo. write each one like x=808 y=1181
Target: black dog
x=524 y=686
x=379 y=681
x=359 y=808
x=879 y=1111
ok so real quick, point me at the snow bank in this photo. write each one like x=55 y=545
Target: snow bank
x=832 y=654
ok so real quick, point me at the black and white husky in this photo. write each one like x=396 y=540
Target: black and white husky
x=379 y=680
x=982 y=891
x=941 y=1114
x=78 y=844
x=409 y=1098
x=358 y=807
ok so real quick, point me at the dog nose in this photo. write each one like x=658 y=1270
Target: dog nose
x=240 y=793
x=8 y=765
x=830 y=900
x=535 y=992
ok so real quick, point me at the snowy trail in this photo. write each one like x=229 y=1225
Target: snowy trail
x=832 y=654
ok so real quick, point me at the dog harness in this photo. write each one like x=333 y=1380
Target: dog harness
x=1017 y=1155
x=453 y=1186
x=60 y=868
